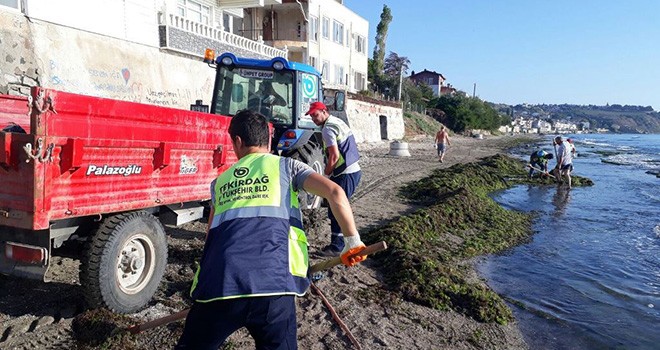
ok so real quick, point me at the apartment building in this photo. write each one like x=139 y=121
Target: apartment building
x=322 y=33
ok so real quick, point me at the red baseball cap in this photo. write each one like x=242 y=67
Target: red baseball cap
x=316 y=106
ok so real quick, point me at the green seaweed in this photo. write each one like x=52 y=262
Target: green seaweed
x=425 y=261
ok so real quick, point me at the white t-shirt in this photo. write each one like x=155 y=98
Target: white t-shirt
x=565 y=153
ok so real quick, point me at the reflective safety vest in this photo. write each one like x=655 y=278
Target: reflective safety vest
x=256 y=245
x=348 y=151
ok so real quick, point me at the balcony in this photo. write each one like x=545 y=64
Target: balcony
x=293 y=39
x=179 y=34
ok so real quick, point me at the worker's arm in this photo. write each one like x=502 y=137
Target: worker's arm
x=333 y=158
x=321 y=186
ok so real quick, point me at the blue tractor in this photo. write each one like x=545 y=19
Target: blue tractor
x=282 y=91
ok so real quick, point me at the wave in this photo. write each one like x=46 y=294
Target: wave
x=652 y=196
x=593 y=142
x=644 y=161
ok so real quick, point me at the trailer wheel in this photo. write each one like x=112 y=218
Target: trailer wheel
x=124 y=261
x=312 y=155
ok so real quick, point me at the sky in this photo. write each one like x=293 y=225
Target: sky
x=530 y=51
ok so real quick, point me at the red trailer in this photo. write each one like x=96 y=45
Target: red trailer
x=107 y=172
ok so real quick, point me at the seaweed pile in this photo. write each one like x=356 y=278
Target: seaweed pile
x=426 y=262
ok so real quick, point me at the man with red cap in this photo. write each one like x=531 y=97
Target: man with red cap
x=342 y=166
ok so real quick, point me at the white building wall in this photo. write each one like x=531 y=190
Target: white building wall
x=71 y=60
x=132 y=20
x=344 y=55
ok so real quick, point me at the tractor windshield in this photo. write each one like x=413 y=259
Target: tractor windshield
x=265 y=91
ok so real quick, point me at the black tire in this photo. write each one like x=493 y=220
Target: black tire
x=312 y=155
x=124 y=262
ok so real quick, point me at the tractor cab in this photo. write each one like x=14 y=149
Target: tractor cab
x=280 y=90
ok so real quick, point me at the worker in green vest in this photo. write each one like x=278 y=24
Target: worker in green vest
x=254 y=261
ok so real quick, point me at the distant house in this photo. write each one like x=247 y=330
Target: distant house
x=433 y=79
x=447 y=90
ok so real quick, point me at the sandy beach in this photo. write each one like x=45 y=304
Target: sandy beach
x=377 y=318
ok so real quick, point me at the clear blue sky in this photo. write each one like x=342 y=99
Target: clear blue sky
x=533 y=51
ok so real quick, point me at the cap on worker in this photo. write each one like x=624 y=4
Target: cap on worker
x=316 y=106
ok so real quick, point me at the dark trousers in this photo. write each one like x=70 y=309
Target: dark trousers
x=270 y=320
x=348 y=182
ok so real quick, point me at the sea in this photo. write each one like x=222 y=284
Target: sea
x=589 y=278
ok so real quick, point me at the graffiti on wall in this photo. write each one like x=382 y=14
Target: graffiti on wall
x=119 y=83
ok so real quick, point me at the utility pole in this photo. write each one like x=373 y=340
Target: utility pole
x=474 y=90
x=400 y=81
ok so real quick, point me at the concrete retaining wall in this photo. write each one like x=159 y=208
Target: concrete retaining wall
x=373 y=122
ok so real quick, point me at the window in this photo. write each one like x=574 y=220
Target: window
x=312 y=61
x=359 y=81
x=314 y=28
x=360 y=44
x=338 y=32
x=339 y=74
x=325 y=70
x=193 y=11
x=299 y=30
x=325 y=28
x=227 y=22
x=265 y=91
x=9 y=3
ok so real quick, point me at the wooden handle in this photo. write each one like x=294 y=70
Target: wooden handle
x=324 y=265
x=158 y=322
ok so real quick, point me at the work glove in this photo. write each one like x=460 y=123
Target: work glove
x=352 y=246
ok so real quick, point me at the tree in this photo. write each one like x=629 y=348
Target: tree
x=396 y=65
x=379 y=49
x=468 y=113
x=416 y=94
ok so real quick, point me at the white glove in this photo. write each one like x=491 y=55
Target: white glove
x=351 y=242
x=352 y=245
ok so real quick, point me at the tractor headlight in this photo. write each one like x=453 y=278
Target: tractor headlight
x=278 y=65
x=227 y=61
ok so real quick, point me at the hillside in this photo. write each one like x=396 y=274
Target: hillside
x=419 y=124
x=616 y=118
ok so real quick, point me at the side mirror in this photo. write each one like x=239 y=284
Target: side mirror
x=340 y=101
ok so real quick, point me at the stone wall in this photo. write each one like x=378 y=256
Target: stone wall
x=19 y=69
x=373 y=122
